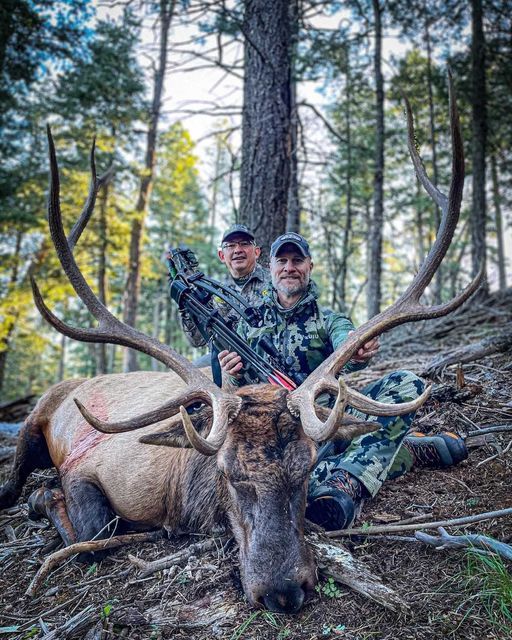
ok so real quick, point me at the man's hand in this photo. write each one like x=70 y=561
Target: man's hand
x=231 y=363
x=367 y=351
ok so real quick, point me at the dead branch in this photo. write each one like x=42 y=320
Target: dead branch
x=483 y=544
x=369 y=531
x=496 y=455
x=86 y=547
x=333 y=560
x=470 y=353
x=148 y=568
x=497 y=429
x=72 y=626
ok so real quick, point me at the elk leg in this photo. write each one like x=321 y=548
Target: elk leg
x=50 y=503
x=90 y=514
x=31 y=453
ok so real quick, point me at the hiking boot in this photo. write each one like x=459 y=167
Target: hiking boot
x=336 y=502
x=435 y=452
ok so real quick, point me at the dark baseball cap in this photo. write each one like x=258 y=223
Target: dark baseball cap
x=290 y=238
x=235 y=229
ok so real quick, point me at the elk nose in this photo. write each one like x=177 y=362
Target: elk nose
x=287 y=599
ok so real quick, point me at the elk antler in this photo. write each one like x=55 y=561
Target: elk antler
x=406 y=309
x=96 y=183
x=111 y=330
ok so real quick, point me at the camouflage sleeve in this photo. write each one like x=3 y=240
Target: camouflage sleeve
x=338 y=327
x=190 y=329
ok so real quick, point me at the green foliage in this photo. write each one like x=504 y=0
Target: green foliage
x=265 y=616
x=107 y=609
x=33 y=34
x=329 y=589
x=86 y=103
x=488 y=577
x=31 y=633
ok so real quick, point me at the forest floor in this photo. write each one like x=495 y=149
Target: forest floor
x=451 y=593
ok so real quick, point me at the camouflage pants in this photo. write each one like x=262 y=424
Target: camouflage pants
x=375 y=457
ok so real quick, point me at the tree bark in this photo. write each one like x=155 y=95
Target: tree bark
x=293 y=217
x=266 y=119
x=347 y=231
x=438 y=291
x=11 y=323
x=101 y=348
x=479 y=121
x=132 y=290
x=420 y=227
x=499 y=223
x=375 y=231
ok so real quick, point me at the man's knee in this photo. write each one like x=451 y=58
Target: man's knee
x=397 y=387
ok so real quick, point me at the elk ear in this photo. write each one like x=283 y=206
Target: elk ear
x=351 y=427
x=174 y=438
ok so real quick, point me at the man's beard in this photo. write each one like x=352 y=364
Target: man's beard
x=292 y=289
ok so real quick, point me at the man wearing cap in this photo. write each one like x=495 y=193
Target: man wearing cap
x=305 y=334
x=239 y=252
x=302 y=331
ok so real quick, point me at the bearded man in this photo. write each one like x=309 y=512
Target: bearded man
x=346 y=473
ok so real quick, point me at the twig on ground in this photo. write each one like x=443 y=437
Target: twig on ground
x=497 y=429
x=78 y=621
x=464 y=417
x=86 y=547
x=368 y=531
x=472 y=541
x=496 y=455
x=147 y=568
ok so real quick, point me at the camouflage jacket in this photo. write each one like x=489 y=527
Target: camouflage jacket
x=305 y=334
x=250 y=288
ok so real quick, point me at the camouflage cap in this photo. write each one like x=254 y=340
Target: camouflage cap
x=235 y=229
x=290 y=238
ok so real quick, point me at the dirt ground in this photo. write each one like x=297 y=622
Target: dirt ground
x=447 y=591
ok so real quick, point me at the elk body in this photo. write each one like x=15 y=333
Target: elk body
x=243 y=460
x=255 y=485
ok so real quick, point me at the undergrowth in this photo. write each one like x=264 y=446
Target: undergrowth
x=490 y=579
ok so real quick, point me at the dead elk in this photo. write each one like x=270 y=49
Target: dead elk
x=243 y=460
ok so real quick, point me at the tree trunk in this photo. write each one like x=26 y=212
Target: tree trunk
x=215 y=195
x=499 y=224
x=157 y=312
x=62 y=359
x=266 y=119
x=375 y=231
x=132 y=290
x=420 y=227
x=293 y=219
x=101 y=348
x=347 y=231
x=14 y=313
x=435 y=174
x=479 y=119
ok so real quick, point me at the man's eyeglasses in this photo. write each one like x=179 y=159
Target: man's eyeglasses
x=243 y=244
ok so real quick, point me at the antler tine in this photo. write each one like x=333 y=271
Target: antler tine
x=439 y=198
x=94 y=187
x=407 y=308
x=450 y=206
x=111 y=330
